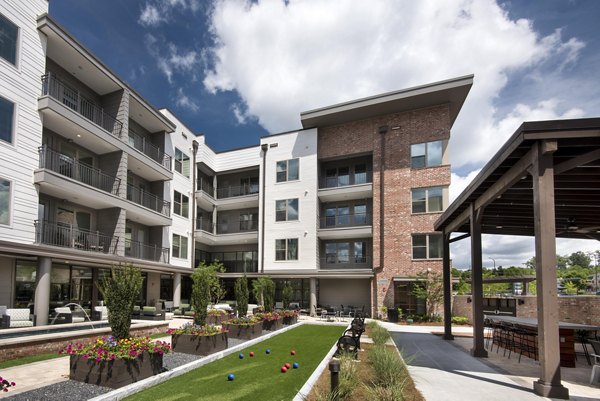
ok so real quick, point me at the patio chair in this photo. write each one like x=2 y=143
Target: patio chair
x=595 y=376
x=345 y=312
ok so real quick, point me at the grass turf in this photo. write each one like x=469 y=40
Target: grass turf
x=256 y=378
x=29 y=359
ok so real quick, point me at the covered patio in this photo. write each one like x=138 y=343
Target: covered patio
x=543 y=182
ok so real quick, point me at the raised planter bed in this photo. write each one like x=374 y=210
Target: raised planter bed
x=116 y=373
x=217 y=319
x=272 y=325
x=198 y=345
x=289 y=320
x=244 y=332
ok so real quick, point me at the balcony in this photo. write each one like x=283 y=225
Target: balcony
x=235 y=191
x=240 y=266
x=74 y=100
x=355 y=225
x=346 y=187
x=138 y=250
x=205 y=225
x=149 y=149
x=227 y=198
x=341 y=262
x=242 y=226
x=148 y=200
x=74 y=169
x=67 y=236
x=239 y=232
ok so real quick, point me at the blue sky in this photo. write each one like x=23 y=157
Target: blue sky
x=236 y=70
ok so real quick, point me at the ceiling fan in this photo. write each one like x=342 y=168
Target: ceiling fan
x=573 y=227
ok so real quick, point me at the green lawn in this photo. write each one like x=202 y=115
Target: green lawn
x=29 y=359
x=256 y=378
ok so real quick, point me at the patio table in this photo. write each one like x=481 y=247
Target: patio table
x=566 y=334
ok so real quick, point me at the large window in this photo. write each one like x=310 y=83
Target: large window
x=427 y=246
x=346 y=252
x=181 y=204
x=180 y=246
x=7 y=111
x=25 y=283
x=288 y=170
x=182 y=163
x=4 y=201
x=9 y=34
x=426 y=154
x=427 y=200
x=286 y=249
x=286 y=210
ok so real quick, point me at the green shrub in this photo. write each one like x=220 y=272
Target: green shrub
x=201 y=280
x=460 y=320
x=263 y=289
x=287 y=293
x=389 y=368
x=120 y=290
x=241 y=295
x=379 y=335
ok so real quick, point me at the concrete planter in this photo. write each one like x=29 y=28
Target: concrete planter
x=198 y=345
x=272 y=325
x=217 y=319
x=116 y=373
x=289 y=320
x=244 y=332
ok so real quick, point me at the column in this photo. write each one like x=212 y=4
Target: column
x=177 y=290
x=478 y=349
x=447 y=273
x=42 y=291
x=313 y=296
x=549 y=385
x=214 y=220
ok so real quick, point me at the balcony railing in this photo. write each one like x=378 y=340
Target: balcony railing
x=204 y=225
x=206 y=187
x=73 y=168
x=73 y=99
x=148 y=200
x=346 y=180
x=138 y=250
x=336 y=261
x=240 y=266
x=149 y=149
x=242 y=226
x=240 y=190
x=68 y=236
x=346 y=220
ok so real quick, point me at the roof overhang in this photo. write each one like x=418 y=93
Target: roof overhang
x=453 y=92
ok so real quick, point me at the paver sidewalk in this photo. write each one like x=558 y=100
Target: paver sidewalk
x=37 y=374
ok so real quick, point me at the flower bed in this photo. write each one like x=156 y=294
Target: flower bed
x=271 y=320
x=198 y=340
x=289 y=317
x=110 y=363
x=5 y=384
x=245 y=328
x=217 y=316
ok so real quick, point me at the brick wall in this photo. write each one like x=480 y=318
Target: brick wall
x=416 y=126
x=28 y=348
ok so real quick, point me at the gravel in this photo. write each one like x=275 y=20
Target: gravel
x=72 y=390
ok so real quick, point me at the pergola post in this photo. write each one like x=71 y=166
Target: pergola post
x=447 y=277
x=549 y=384
x=478 y=349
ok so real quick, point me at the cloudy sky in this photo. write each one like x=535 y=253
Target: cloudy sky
x=236 y=70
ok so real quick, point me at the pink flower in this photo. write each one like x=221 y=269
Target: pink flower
x=13 y=384
x=85 y=357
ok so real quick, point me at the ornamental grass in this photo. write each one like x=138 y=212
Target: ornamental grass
x=109 y=348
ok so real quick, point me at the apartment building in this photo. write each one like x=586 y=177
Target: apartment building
x=93 y=176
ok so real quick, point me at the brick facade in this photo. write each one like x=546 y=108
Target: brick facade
x=404 y=129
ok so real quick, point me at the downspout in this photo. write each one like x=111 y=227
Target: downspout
x=382 y=131
x=264 y=148
x=194 y=188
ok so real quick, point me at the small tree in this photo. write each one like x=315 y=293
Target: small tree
x=241 y=295
x=203 y=277
x=263 y=289
x=217 y=291
x=430 y=289
x=120 y=290
x=287 y=293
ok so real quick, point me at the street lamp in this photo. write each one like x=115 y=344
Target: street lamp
x=494 y=263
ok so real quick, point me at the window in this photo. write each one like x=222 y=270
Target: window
x=286 y=210
x=181 y=204
x=288 y=170
x=248 y=221
x=427 y=246
x=427 y=200
x=286 y=249
x=426 y=154
x=182 y=163
x=7 y=111
x=180 y=246
x=4 y=201
x=9 y=33
x=360 y=252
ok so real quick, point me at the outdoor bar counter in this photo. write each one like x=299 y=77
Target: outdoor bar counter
x=566 y=334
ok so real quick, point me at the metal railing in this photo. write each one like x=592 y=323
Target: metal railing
x=204 y=225
x=148 y=200
x=340 y=262
x=346 y=180
x=239 y=190
x=240 y=266
x=73 y=99
x=149 y=149
x=68 y=236
x=346 y=220
x=138 y=250
x=241 y=226
x=206 y=187
x=73 y=168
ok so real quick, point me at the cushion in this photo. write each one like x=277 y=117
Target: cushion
x=63 y=310
x=149 y=309
x=78 y=319
x=18 y=314
x=103 y=310
x=21 y=323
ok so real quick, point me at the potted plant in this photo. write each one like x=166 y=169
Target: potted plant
x=289 y=317
x=114 y=363
x=383 y=311
x=198 y=340
x=216 y=316
x=245 y=328
x=264 y=292
x=271 y=320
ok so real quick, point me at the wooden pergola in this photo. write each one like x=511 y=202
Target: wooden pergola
x=544 y=182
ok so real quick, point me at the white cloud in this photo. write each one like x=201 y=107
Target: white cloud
x=458 y=183
x=156 y=12
x=185 y=102
x=150 y=16
x=169 y=59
